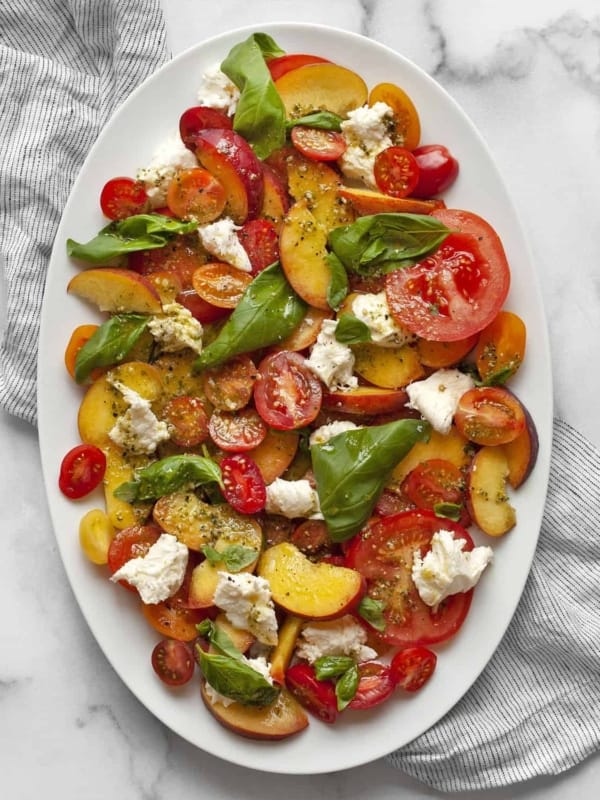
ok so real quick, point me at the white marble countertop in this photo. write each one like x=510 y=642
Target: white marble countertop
x=528 y=75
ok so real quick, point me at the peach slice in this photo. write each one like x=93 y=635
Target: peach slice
x=241 y=639
x=116 y=290
x=276 y=202
x=521 y=453
x=451 y=447
x=275 y=453
x=285 y=717
x=365 y=400
x=303 y=251
x=317 y=184
x=227 y=156
x=305 y=589
x=284 y=649
x=388 y=367
x=120 y=470
x=325 y=87
x=306 y=333
x=367 y=201
x=487 y=501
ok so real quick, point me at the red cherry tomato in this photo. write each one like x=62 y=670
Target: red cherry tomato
x=287 y=394
x=317 y=144
x=412 y=667
x=458 y=290
x=132 y=542
x=229 y=386
x=243 y=485
x=384 y=553
x=438 y=170
x=173 y=662
x=81 y=471
x=236 y=431
x=490 y=415
x=123 y=197
x=375 y=685
x=396 y=171
x=182 y=255
x=311 y=537
x=198 y=118
x=434 y=481
x=187 y=419
x=260 y=240
x=316 y=696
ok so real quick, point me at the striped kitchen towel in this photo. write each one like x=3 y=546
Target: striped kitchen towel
x=65 y=66
x=535 y=710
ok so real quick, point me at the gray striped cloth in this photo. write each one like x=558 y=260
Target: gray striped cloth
x=65 y=66
x=535 y=710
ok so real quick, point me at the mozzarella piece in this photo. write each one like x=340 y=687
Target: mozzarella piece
x=446 y=569
x=220 y=239
x=158 y=574
x=338 y=637
x=217 y=91
x=326 y=432
x=373 y=310
x=293 y=499
x=436 y=398
x=175 y=329
x=332 y=361
x=138 y=429
x=170 y=157
x=246 y=601
x=367 y=133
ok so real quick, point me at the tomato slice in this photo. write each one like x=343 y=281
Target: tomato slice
x=81 y=471
x=260 y=240
x=286 y=63
x=384 y=553
x=187 y=419
x=318 y=144
x=236 y=431
x=458 y=290
x=287 y=394
x=221 y=284
x=123 y=197
x=198 y=118
x=438 y=170
x=412 y=667
x=316 y=696
x=375 y=685
x=243 y=485
x=229 y=386
x=133 y=542
x=434 y=481
x=490 y=415
x=196 y=194
x=396 y=171
x=173 y=662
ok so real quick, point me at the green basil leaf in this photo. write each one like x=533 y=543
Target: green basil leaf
x=372 y=611
x=236 y=679
x=380 y=242
x=167 y=476
x=218 y=639
x=110 y=344
x=448 y=510
x=260 y=113
x=332 y=666
x=345 y=688
x=352 y=469
x=324 y=120
x=338 y=285
x=268 y=312
x=351 y=330
x=138 y=232
x=235 y=557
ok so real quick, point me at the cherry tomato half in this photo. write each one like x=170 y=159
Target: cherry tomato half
x=490 y=415
x=406 y=117
x=229 y=386
x=243 y=485
x=81 y=471
x=182 y=255
x=412 y=667
x=196 y=194
x=316 y=696
x=396 y=171
x=173 y=662
x=287 y=394
x=260 y=240
x=79 y=337
x=375 y=685
x=236 y=431
x=198 y=118
x=501 y=347
x=384 y=554
x=459 y=289
x=434 y=481
x=221 y=284
x=123 y=197
x=438 y=170
x=132 y=542
x=318 y=144
x=187 y=419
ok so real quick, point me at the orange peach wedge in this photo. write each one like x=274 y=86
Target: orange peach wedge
x=116 y=290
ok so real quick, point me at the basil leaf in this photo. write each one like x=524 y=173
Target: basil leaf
x=332 y=666
x=234 y=678
x=345 y=688
x=109 y=344
x=372 y=611
x=448 y=510
x=338 y=285
x=325 y=120
x=235 y=557
x=218 y=638
x=138 y=232
x=268 y=312
x=352 y=468
x=351 y=330
x=260 y=113
x=385 y=241
x=167 y=476
x=268 y=46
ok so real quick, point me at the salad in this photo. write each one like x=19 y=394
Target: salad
x=295 y=406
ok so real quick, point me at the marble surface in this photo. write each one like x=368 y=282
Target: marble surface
x=528 y=75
